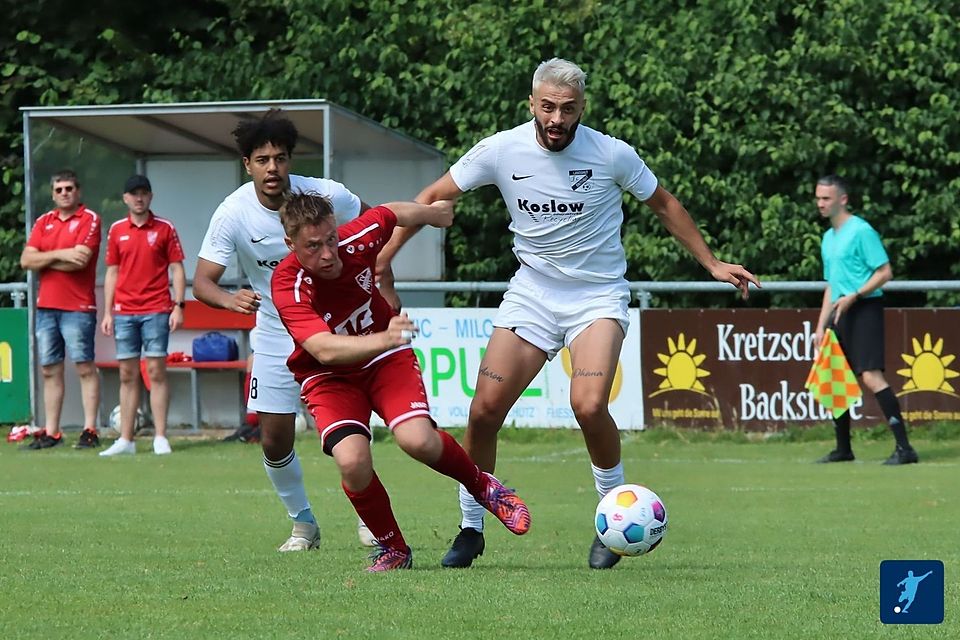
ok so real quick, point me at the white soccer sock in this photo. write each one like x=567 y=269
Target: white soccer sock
x=287 y=478
x=605 y=480
x=472 y=511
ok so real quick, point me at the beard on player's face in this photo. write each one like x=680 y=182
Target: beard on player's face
x=555 y=137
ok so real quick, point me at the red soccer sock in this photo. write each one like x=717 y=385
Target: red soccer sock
x=455 y=463
x=373 y=506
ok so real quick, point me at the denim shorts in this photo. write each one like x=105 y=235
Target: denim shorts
x=57 y=330
x=149 y=332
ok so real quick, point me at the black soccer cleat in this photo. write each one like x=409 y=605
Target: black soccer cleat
x=903 y=455
x=88 y=440
x=244 y=433
x=601 y=557
x=465 y=548
x=837 y=456
x=41 y=440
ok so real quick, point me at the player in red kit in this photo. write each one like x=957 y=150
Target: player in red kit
x=352 y=356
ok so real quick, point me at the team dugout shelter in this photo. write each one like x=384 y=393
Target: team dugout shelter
x=188 y=153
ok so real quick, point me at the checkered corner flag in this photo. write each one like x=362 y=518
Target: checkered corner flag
x=831 y=381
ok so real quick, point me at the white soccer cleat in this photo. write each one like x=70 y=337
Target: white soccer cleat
x=367 y=539
x=305 y=536
x=161 y=446
x=120 y=447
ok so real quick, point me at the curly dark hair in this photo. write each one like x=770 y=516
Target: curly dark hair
x=274 y=128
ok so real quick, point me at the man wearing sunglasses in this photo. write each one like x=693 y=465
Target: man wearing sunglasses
x=63 y=249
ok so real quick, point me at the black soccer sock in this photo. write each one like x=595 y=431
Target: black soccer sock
x=891 y=409
x=841 y=425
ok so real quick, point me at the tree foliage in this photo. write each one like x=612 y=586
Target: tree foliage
x=737 y=105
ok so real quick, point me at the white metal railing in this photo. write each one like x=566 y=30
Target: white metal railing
x=17 y=291
x=645 y=290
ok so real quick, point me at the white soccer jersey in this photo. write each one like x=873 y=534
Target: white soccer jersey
x=243 y=227
x=565 y=206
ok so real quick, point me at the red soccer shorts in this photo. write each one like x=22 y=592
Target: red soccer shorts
x=341 y=403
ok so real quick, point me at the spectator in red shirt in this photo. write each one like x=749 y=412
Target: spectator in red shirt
x=352 y=355
x=143 y=250
x=62 y=249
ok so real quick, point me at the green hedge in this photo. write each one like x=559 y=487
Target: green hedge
x=737 y=105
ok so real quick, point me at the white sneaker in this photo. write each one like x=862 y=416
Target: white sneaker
x=305 y=536
x=120 y=447
x=161 y=446
x=366 y=537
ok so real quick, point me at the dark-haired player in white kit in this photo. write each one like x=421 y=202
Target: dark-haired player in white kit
x=563 y=185
x=247 y=225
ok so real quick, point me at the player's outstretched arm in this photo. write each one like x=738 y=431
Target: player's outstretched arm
x=443 y=189
x=333 y=349
x=206 y=289
x=413 y=214
x=678 y=222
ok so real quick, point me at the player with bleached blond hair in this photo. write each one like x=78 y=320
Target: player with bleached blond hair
x=563 y=184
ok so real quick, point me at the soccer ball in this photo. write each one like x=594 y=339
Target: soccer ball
x=631 y=520
x=300 y=422
x=114 y=421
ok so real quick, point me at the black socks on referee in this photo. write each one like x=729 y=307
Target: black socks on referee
x=891 y=409
x=841 y=425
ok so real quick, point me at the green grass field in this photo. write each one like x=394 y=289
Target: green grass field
x=762 y=544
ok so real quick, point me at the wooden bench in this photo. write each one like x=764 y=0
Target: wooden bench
x=199 y=317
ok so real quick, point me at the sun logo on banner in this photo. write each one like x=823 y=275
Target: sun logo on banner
x=682 y=370
x=929 y=368
x=617 y=377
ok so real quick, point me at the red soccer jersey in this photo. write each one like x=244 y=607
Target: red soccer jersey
x=67 y=290
x=143 y=255
x=350 y=305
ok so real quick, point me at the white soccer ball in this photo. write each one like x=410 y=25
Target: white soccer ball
x=114 y=420
x=631 y=520
x=300 y=424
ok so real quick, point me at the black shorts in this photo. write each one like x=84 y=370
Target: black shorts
x=860 y=332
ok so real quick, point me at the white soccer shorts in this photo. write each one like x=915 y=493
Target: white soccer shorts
x=550 y=313
x=272 y=387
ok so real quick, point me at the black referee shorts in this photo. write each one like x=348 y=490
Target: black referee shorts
x=860 y=332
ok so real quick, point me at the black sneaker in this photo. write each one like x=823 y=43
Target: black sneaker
x=240 y=435
x=837 y=456
x=903 y=455
x=465 y=548
x=35 y=443
x=41 y=440
x=600 y=556
x=88 y=440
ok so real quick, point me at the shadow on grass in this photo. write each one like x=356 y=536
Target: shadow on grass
x=942 y=453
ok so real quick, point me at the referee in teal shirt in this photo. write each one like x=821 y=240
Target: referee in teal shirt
x=855 y=266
